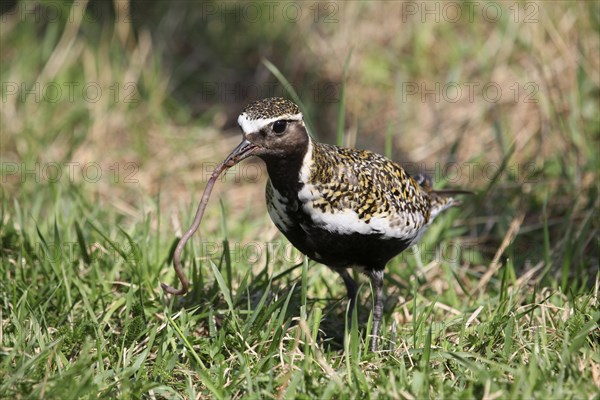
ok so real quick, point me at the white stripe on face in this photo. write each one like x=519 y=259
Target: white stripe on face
x=255 y=125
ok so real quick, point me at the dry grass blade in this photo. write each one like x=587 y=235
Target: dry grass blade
x=495 y=265
x=318 y=354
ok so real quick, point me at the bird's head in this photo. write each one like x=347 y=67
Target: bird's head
x=272 y=128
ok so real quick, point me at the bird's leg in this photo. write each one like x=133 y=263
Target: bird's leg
x=351 y=288
x=377 y=282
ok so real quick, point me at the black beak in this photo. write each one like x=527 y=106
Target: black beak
x=241 y=152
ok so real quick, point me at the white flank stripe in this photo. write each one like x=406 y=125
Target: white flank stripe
x=347 y=221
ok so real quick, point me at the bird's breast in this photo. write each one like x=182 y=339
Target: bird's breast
x=282 y=207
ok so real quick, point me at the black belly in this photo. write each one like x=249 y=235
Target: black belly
x=345 y=250
x=336 y=250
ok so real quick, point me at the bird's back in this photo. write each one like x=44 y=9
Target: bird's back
x=360 y=191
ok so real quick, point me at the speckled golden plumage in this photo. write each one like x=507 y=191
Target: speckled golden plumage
x=366 y=182
x=270 y=108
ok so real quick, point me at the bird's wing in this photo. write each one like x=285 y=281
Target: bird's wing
x=353 y=191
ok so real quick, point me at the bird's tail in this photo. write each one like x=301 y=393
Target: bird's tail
x=447 y=196
x=439 y=199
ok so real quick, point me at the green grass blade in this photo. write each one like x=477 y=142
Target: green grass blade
x=203 y=373
x=82 y=245
x=341 y=114
x=293 y=94
x=223 y=286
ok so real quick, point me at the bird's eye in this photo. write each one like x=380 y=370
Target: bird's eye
x=279 y=126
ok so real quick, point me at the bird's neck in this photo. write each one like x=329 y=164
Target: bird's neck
x=284 y=172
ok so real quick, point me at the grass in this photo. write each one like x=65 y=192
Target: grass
x=500 y=300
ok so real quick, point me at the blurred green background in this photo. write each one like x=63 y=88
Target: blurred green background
x=466 y=92
x=114 y=113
